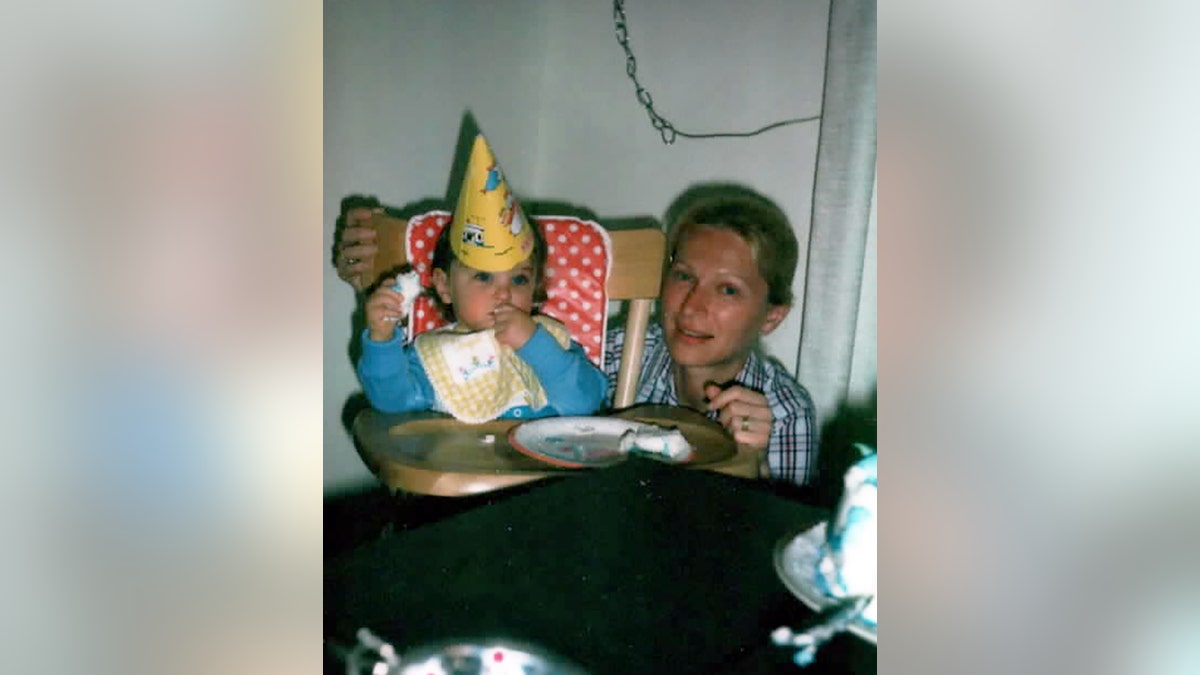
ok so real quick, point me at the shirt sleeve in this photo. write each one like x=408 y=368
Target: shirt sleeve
x=614 y=343
x=392 y=377
x=792 y=450
x=574 y=386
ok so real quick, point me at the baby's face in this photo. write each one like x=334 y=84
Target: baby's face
x=476 y=294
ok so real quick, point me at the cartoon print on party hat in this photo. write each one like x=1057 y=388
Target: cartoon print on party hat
x=493 y=177
x=489 y=232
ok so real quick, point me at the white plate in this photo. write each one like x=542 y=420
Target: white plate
x=796 y=564
x=573 y=442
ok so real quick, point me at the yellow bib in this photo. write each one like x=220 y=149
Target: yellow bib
x=476 y=378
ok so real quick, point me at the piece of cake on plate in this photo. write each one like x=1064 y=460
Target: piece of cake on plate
x=667 y=444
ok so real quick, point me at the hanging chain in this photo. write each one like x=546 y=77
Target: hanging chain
x=643 y=96
x=664 y=127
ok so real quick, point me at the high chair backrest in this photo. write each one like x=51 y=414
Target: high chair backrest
x=626 y=261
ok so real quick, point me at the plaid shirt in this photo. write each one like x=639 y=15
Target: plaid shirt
x=792 y=450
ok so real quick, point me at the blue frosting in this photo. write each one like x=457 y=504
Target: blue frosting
x=870 y=465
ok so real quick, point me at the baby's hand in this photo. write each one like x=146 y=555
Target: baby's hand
x=513 y=326
x=384 y=308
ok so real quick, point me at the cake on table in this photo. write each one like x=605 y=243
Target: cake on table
x=848 y=564
x=832 y=567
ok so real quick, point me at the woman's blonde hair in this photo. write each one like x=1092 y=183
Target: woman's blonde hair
x=756 y=220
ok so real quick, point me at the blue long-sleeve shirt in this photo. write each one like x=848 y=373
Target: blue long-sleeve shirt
x=394 y=379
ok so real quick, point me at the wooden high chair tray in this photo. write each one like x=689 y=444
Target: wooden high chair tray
x=434 y=454
x=439 y=442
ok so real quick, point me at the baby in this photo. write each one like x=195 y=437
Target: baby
x=497 y=359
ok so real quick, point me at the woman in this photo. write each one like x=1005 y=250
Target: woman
x=732 y=258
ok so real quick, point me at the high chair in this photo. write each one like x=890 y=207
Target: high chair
x=401 y=448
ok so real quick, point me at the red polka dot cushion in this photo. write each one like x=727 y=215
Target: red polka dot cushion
x=578 y=261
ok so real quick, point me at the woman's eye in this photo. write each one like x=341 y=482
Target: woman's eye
x=520 y=280
x=483 y=276
x=681 y=275
x=726 y=289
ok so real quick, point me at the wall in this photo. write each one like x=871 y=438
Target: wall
x=546 y=82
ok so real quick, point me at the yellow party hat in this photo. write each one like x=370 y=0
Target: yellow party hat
x=489 y=231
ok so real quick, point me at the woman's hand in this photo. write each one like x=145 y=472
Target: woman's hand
x=384 y=309
x=744 y=412
x=513 y=326
x=356 y=248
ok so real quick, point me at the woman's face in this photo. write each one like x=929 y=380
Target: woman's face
x=714 y=300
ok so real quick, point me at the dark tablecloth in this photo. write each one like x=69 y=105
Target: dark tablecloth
x=640 y=568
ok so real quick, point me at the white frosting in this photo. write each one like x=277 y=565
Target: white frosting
x=408 y=285
x=849 y=558
x=668 y=443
